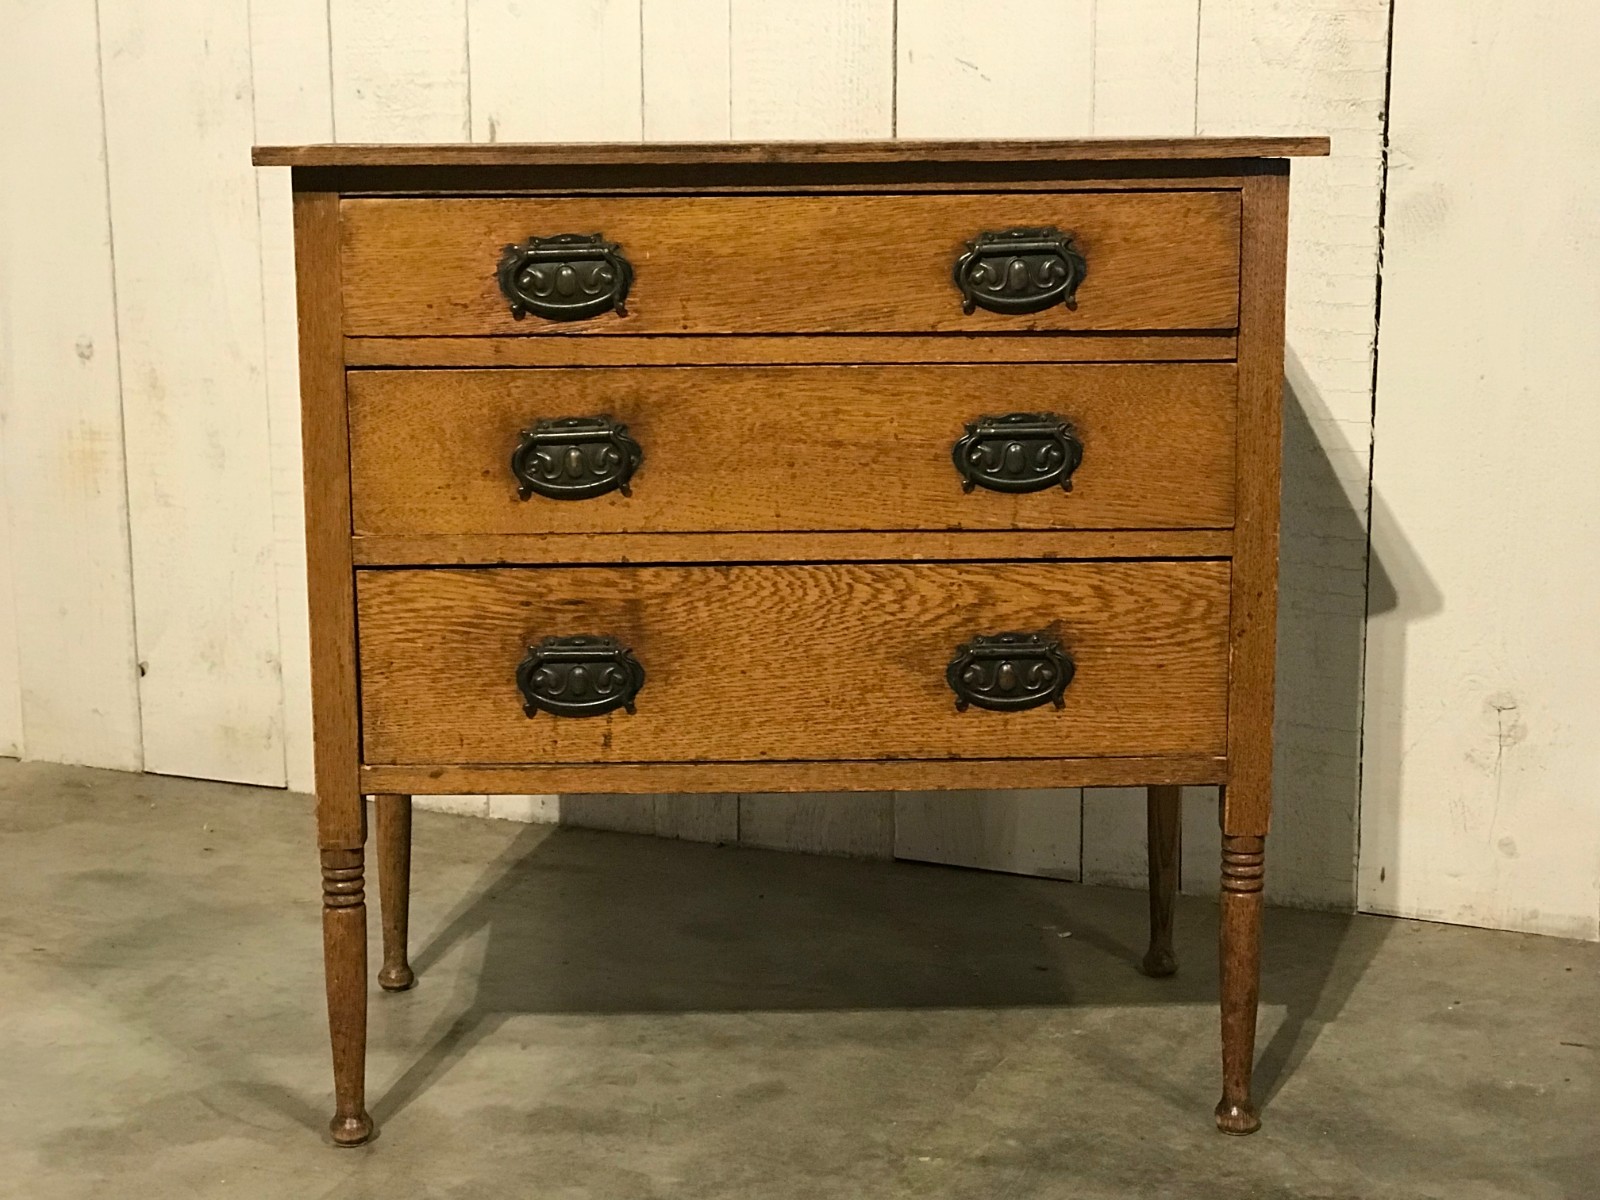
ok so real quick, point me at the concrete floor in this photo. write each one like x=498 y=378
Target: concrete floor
x=622 y=1018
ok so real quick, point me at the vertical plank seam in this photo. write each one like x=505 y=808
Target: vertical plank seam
x=1372 y=431
x=466 y=49
x=266 y=400
x=122 y=419
x=1194 y=121
x=1094 y=76
x=333 y=92
x=644 y=132
x=894 y=69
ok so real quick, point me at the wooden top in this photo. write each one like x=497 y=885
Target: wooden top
x=678 y=153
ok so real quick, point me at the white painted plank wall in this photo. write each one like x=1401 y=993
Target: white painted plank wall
x=1315 y=66
x=190 y=344
x=293 y=102
x=703 y=69
x=72 y=666
x=1482 y=761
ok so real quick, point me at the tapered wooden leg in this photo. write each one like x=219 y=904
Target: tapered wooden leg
x=1243 y=864
x=394 y=889
x=1162 y=812
x=344 y=949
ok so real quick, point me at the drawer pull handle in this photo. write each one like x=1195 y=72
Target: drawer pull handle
x=578 y=677
x=575 y=458
x=1018 y=452
x=1020 y=271
x=1009 y=672
x=568 y=277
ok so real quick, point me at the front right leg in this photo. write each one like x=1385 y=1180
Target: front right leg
x=344 y=948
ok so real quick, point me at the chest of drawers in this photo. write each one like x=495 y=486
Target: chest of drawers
x=790 y=467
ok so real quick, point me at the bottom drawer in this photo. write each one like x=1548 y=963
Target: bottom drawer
x=832 y=661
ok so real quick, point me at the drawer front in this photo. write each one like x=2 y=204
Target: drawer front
x=816 y=662
x=789 y=264
x=792 y=448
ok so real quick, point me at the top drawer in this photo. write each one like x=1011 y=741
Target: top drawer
x=794 y=264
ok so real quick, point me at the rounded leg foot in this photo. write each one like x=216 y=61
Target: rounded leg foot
x=1237 y=1119
x=1159 y=963
x=397 y=979
x=351 y=1131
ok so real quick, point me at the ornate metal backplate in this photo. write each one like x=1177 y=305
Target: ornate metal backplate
x=1009 y=672
x=1018 y=452
x=1020 y=271
x=579 y=677
x=565 y=278
x=574 y=458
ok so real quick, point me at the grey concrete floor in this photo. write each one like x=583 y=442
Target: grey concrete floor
x=615 y=1017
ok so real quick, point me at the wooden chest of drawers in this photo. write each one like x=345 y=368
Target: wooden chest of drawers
x=790 y=467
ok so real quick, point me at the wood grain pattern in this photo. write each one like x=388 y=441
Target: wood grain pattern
x=1253 y=637
x=791 y=648
x=837 y=777
x=341 y=814
x=687 y=350
x=527 y=549
x=1099 y=150
x=859 y=264
x=797 y=448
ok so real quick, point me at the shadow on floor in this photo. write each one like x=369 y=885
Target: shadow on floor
x=581 y=922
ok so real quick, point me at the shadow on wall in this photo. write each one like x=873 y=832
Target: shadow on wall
x=1322 y=613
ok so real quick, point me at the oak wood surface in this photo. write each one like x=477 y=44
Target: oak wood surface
x=793 y=264
x=801 y=152
x=905 y=774
x=792 y=448
x=822 y=661
x=341 y=813
x=529 y=549
x=1258 y=464
x=670 y=350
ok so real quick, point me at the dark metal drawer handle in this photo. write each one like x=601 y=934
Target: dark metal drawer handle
x=1020 y=271
x=565 y=278
x=1018 y=452
x=575 y=458
x=1009 y=672
x=579 y=677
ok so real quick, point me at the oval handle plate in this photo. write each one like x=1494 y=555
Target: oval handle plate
x=575 y=458
x=585 y=676
x=1020 y=271
x=1018 y=452
x=569 y=277
x=1009 y=672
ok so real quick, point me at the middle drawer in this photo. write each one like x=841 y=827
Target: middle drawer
x=793 y=448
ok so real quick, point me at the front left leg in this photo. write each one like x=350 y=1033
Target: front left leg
x=1243 y=868
x=344 y=948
